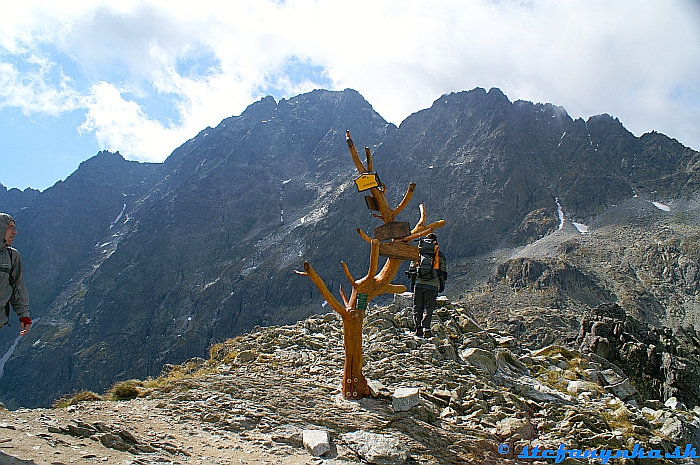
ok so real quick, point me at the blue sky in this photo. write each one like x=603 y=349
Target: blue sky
x=142 y=77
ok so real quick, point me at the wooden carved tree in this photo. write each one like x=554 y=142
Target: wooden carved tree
x=354 y=384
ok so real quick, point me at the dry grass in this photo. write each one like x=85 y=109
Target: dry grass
x=73 y=399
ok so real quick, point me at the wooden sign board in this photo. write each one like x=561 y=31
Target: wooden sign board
x=367 y=181
x=371 y=203
x=399 y=250
x=392 y=230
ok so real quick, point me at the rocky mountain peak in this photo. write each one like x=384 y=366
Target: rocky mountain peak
x=13 y=200
x=260 y=109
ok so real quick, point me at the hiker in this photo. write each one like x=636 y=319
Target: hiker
x=12 y=290
x=428 y=276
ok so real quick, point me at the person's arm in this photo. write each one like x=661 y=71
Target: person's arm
x=20 y=296
x=442 y=272
x=411 y=274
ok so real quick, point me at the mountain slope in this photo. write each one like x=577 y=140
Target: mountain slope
x=206 y=248
x=190 y=262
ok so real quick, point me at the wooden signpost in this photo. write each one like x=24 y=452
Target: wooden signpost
x=371 y=204
x=399 y=250
x=392 y=230
x=375 y=282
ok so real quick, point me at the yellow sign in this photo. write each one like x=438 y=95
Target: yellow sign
x=367 y=181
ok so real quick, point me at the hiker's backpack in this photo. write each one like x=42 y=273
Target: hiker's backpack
x=428 y=259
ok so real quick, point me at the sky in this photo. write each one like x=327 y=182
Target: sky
x=143 y=76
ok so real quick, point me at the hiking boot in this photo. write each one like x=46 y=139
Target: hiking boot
x=419 y=333
x=427 y=334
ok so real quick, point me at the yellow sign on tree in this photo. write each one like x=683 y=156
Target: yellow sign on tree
x=367 y=181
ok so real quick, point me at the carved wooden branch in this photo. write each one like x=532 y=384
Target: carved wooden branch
x=406 y=199
x=364 y=236
x=347 y=274
x=353 y=153
x=316 y=279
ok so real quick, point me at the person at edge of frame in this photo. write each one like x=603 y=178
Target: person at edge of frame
x=12 y=289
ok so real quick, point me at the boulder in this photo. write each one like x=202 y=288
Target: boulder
x=480 y=358
x=377 y=448
x=317 y=442
x=405 y=398
x=515 y=429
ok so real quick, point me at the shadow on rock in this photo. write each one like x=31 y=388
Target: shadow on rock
x=6 y=459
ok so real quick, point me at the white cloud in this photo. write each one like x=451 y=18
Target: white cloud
x=30 y=90
x=635 y=60
x=121 y=125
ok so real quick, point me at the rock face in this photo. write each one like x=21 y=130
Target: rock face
x=661 y=363
x=70 y=228
x=13 y=200
x=188 y=252
x=133 y=266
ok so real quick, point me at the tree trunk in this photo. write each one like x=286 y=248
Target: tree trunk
x=354 y=384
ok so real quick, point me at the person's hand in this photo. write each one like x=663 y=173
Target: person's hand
x=24 y=324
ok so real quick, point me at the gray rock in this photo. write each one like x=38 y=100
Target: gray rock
x=480 y=358
x=404 y=300
x=468 y=325
x=80 y=431
x=507 y=362
x=515 y=429
x=145 y=448
x=245 y=357
x=210 y=417
x=674 y=404
x=673 y=429
x=288 y=434
x=609 y=377
x=660 y=361
x=377 y=448
x=113 y=441
x=448 y=352
x=578 y=386
x=317 y=442
x=405 y=398
x=377 y=389
x=622 y=390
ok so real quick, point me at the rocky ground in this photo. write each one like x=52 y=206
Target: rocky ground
x=60 y=436
x=475 y=396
